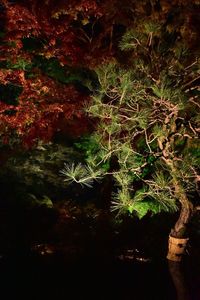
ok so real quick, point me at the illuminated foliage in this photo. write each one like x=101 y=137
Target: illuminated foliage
x=147 y=109
x=42 y=43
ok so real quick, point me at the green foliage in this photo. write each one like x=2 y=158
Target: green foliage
x=20 y=64
x=81 y=174
x=65 y=74
x=36 y=171
x=52 y=68
x=88 y=146
x=45 y=201
x=123 y=180
x=155 y=196
x=140 y=108
x=130 y=40
x=92 y=152
x=140 y=203
x=143 y=207
x=193 y=151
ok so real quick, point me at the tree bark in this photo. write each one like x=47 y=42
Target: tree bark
x=178 y=235
x=178 y=280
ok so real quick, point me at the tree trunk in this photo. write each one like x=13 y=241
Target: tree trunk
x=178 y=280
x=178 y=236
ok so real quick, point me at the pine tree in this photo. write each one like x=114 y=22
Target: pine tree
x=147 y=114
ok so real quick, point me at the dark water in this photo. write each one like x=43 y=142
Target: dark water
x=27 y=276
x=89 y=271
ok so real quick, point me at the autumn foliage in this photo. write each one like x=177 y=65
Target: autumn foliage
x=77 y=34
x=44 y=103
